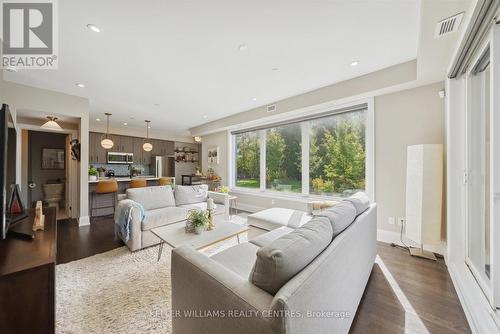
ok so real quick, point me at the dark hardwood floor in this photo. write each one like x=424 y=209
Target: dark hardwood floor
x=74 y=243
x=404 y=294
x=407 y=294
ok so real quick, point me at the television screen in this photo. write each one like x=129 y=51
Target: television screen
x=7 y=163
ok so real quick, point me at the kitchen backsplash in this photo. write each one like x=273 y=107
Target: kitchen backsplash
x=121 y=170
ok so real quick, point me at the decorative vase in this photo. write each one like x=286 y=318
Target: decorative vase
x=199 y=229
x=92 y=178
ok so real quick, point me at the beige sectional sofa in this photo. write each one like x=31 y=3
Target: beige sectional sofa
x=304 y=280
x=164 y=206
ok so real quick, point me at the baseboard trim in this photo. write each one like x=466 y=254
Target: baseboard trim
x=83 y=221
x=394 y=237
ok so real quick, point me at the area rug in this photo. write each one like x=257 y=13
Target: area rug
x=118 y=292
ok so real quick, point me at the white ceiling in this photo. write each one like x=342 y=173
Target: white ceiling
x=184 y=55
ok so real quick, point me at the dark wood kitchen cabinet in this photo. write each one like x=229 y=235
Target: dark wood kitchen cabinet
x=97 y=154
x=127 y=144
x=162 y=147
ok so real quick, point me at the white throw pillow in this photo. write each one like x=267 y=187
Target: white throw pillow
x=191 y=194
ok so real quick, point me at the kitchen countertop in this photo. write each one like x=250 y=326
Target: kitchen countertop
x=126 y=179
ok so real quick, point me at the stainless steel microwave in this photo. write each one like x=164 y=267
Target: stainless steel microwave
x=120 y=158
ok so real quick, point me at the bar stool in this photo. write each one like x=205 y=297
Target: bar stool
x=165 y=181
x=138 y=183
x=104 y=187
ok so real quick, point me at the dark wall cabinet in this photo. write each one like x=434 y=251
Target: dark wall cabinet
x=162 y=147
x=97 y=154
x=127 y=144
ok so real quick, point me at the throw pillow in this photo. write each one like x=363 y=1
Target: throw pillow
x=340 y=216
x=286 y=256
x=191 y=194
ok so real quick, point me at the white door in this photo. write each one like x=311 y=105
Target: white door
x=483 y=169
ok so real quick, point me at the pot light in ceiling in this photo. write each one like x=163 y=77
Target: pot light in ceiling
x=80 y=85
x=254 y=99
x=197 y=139
x=274 y=69
x=355 y=63
x=93 y=27
x=205 y=116
x=98 y=119
x=106 y=142
x=51 y=124
x=125 y=123
x=147 y=146
x=243 y=47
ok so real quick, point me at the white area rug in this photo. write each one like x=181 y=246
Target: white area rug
x=118 y=291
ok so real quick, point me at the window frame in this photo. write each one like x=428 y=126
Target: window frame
x=329 y=107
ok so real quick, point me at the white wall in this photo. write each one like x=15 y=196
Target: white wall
x=21 y=97
x=216 y=140
x=408 y=117
x=359 y=87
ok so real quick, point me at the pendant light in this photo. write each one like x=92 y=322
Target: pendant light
x=106 y=142
x=147 y=146
x=51 y=124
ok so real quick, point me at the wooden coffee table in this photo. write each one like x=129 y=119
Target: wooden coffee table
x=175 y=235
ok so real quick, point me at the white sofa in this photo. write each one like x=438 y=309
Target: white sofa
x=163 y=206
x=223 y=289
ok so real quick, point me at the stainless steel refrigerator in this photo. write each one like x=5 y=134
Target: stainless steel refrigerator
x=163 y=166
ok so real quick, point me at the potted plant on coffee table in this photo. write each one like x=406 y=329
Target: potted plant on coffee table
x=199 y=220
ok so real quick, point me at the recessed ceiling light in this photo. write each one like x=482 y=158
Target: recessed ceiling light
x=10 y=69
x=93 y=27
x=243 y=47
x=274 y=69
x=125 y=123
x=355 y=63
x=98 y=119
x=205 y=116
x=254 y=99
x=149 y=127
x=132 y=117
x=156 y=104
x=80 y=85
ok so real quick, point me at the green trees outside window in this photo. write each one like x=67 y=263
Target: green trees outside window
x=284 y=158
x=337 y=154
x=247 y=160
x=336 y=150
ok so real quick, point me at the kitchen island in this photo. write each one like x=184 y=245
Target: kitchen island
x=125 y=179
x=107 y=200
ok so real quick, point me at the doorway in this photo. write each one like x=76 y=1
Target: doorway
x=48 y=170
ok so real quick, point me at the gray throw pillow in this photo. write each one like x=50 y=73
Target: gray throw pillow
x=340 y=216
x=360 y=201
x=285 y=257
x=152 y=197
x=191 y=194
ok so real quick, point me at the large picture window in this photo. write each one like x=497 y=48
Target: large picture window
x=337 y=154
x=247 y=160
x=283 y=159
x=323 y=155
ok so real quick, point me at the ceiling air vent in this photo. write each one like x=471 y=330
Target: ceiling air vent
x=448 y=25
x=271 y=108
